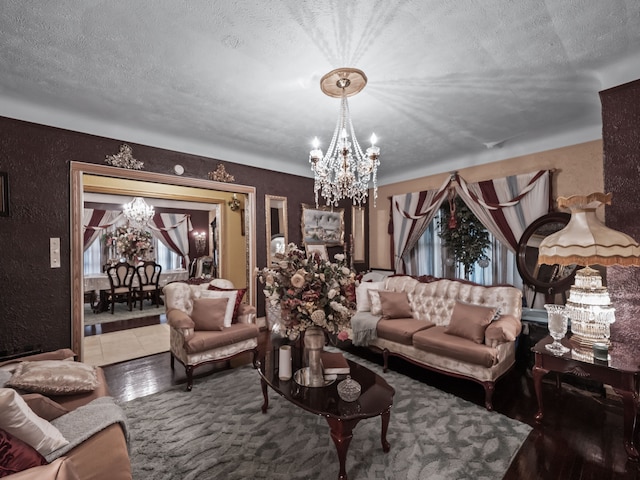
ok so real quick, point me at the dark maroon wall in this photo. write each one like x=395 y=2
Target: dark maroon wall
x=35 y=300
x=621 y=144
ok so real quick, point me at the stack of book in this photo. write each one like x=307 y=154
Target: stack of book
x=334 y=363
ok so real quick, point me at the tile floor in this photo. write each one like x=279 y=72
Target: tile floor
x=122 y=345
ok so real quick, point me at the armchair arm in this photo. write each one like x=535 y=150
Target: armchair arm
x=246 y=313
x=179 y=319
x=503 y=330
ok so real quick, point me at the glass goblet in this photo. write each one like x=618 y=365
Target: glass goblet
x=557 y=328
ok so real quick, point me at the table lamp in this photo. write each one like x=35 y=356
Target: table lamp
x=586 y=241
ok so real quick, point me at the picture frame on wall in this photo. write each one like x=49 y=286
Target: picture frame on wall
x=4 y=194
x=319 y=248
x=322 y=225
x=357 y=232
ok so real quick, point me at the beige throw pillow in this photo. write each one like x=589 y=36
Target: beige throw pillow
x=19 y=420
x=231 y=295
x=470 y=321
x=363 y=303
x=209 y=313
x=55 y=377
x=374 y=300
x=395 y=305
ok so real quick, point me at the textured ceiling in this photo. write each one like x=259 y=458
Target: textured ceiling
x=450 y=83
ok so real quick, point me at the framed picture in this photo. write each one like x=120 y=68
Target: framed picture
x=322 y=225
x=319 y=248
x=4 y=194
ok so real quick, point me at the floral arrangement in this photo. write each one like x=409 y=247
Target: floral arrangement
x=131 y=243
x=311 y=292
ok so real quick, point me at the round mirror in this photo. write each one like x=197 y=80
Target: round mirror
x=547 y=279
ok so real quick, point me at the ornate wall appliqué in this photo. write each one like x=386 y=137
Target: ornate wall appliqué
x=221 y=175
x=124 y=159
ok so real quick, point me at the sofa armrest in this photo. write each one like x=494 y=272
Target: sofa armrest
x=504 y=329
x=60 y=469
x=246 y=313
x=180 y=320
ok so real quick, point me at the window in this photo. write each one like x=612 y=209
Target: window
x=430 y=258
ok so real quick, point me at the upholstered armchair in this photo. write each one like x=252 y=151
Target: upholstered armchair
x=209 y=324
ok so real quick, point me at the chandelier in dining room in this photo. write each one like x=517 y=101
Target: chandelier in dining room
x=345 y=171
x=138 y=212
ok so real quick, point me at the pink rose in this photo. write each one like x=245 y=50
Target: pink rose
x=343 y=335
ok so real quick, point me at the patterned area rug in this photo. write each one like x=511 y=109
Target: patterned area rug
x=218 y=431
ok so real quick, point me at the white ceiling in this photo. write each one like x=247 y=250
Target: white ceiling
x=451 y=83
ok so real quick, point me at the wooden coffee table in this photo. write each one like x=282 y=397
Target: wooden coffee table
x=375 y=400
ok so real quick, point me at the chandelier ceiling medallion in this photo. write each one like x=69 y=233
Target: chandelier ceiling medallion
x=345 y=171
x=138 y=212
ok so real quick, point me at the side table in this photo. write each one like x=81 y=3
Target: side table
x=621 y=372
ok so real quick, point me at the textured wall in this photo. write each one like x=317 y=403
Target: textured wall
x=621 y=140
x=35 y=303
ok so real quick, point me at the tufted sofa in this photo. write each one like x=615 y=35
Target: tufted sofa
x=450 y=326
x=194 y=346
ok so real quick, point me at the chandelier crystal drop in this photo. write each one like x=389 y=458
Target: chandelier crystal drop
x=345 y=171
x=138 y=212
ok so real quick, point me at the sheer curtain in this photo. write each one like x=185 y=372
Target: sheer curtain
x=172 y=229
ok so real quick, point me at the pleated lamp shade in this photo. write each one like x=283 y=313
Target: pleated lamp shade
x=585 y=240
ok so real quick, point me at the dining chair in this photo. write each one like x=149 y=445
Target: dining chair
x=120 y=278
x=148 y=283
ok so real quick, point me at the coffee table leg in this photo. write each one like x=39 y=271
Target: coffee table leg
x=386 y=415
x=342 y=433
x=265 y=394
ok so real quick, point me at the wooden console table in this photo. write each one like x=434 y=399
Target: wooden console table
x=622 y=372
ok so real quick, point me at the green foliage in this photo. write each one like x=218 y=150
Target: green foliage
x=467 y=242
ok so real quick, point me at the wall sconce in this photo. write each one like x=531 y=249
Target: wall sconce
x=234 y=203
x=201 y=241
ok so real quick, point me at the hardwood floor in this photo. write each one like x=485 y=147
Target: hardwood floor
x=581 y=437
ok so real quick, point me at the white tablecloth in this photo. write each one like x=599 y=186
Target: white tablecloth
x=101 y=282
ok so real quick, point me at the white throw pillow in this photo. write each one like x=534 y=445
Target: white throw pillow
x=19 y=420
x=230 y=294
x=363 y=303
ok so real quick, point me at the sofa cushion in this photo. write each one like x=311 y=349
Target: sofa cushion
x=505 y=329
x=60 y=469
x=60 y=354
x=231 y=295
x=395 y=305
x=436 y=340
x=363 y=303
x=401 y=330
x=207 y=340
x=19 y=420
x=240 y=292
x=56 y=377
x=16 y=455
x=470 y=321
x=209 y=313
x=44 y=407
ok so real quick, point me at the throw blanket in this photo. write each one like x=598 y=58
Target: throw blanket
x=364 y=325
x=87 y=420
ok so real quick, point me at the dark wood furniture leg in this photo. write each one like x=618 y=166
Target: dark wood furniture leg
x=385 y=426
x=538 y=373
x=342 y=433
x=265 y=394
x=630 y=405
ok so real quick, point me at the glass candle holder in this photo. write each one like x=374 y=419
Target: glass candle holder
x=557 y=328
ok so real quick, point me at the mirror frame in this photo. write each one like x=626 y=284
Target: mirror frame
x=78 y=169
x=548 y=288
x=269 y=201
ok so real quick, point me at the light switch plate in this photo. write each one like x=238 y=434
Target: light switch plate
x=54 y=252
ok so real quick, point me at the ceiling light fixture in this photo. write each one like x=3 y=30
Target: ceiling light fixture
x=345 y=171
x=138 y=212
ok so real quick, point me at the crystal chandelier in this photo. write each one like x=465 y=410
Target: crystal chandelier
x=345 y=171
x=137 y=211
